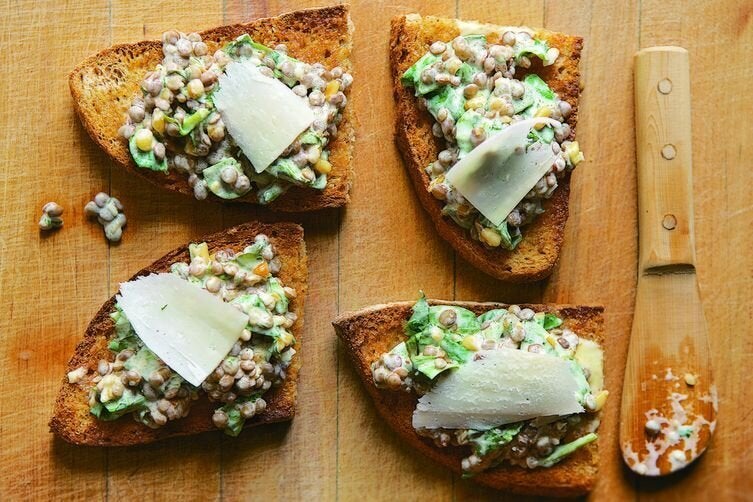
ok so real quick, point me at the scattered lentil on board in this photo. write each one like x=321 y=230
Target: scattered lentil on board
x=109 y=213
x=51 y=216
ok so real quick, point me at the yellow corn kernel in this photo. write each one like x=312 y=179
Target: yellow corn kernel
x=573 y=152
x=601 y=399
x=490 y=237
x=262 y=269
x=496 y=103
x=544 y=111
x=331 y=88
x=505 y=119
x=158 y=121
x=287 y=338
x=323 y=166
x=477 y=102
x=284 y=340
x=552 y=341
x=472 y=342
x=144 y=140
x=199 y=250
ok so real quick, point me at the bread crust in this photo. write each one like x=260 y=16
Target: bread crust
x=369 y=332
x=71 y=418
x=103 y=86
x=536 y=255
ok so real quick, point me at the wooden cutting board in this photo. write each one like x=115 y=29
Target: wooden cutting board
x=381 y=248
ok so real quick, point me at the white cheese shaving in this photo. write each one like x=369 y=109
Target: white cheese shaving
x=502 y=387
x=261 y=113
x=190 y=329
x=497 y=174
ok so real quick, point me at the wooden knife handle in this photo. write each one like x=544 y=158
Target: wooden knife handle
x=664 y=152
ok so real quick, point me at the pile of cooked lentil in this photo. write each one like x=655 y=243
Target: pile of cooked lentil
x=442 y=337
x=173 y=123
x=470 y=88
x=136 y=381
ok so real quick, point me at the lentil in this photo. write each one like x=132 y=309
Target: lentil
x=109 y=213
x=51 y=216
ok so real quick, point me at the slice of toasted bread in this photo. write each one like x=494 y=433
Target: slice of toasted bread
x=73 y=422
x=370 y=332
x=104 y=85
x=534 y=258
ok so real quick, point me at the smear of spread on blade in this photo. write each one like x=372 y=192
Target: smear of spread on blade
x=675 y=433
x=190 y=329
x=261 y=113
x=498 y=173
x=502 y=387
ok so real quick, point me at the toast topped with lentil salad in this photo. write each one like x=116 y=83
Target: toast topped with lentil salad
x=119 y=392
x=456 y=83
x=418 y=361
x=159 y=110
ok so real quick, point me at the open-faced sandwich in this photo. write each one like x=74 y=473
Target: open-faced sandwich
x=203 y=339
x=486 y=125
x=246 y=112
x=507 y=395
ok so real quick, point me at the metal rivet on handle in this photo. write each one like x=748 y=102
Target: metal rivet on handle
x=669 y=222
x=668 y=152
x=665 y=86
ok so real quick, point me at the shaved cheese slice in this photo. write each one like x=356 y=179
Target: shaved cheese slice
x=502 y=387
x=189 y=328
x=261 y=113
x=497 y=174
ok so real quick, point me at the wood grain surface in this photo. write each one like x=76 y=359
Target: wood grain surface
x=382 y=247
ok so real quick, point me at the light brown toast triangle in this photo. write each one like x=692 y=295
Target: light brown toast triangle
x=369 y=332
x=71 y=419
x=104 y=85
x=535 y=257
